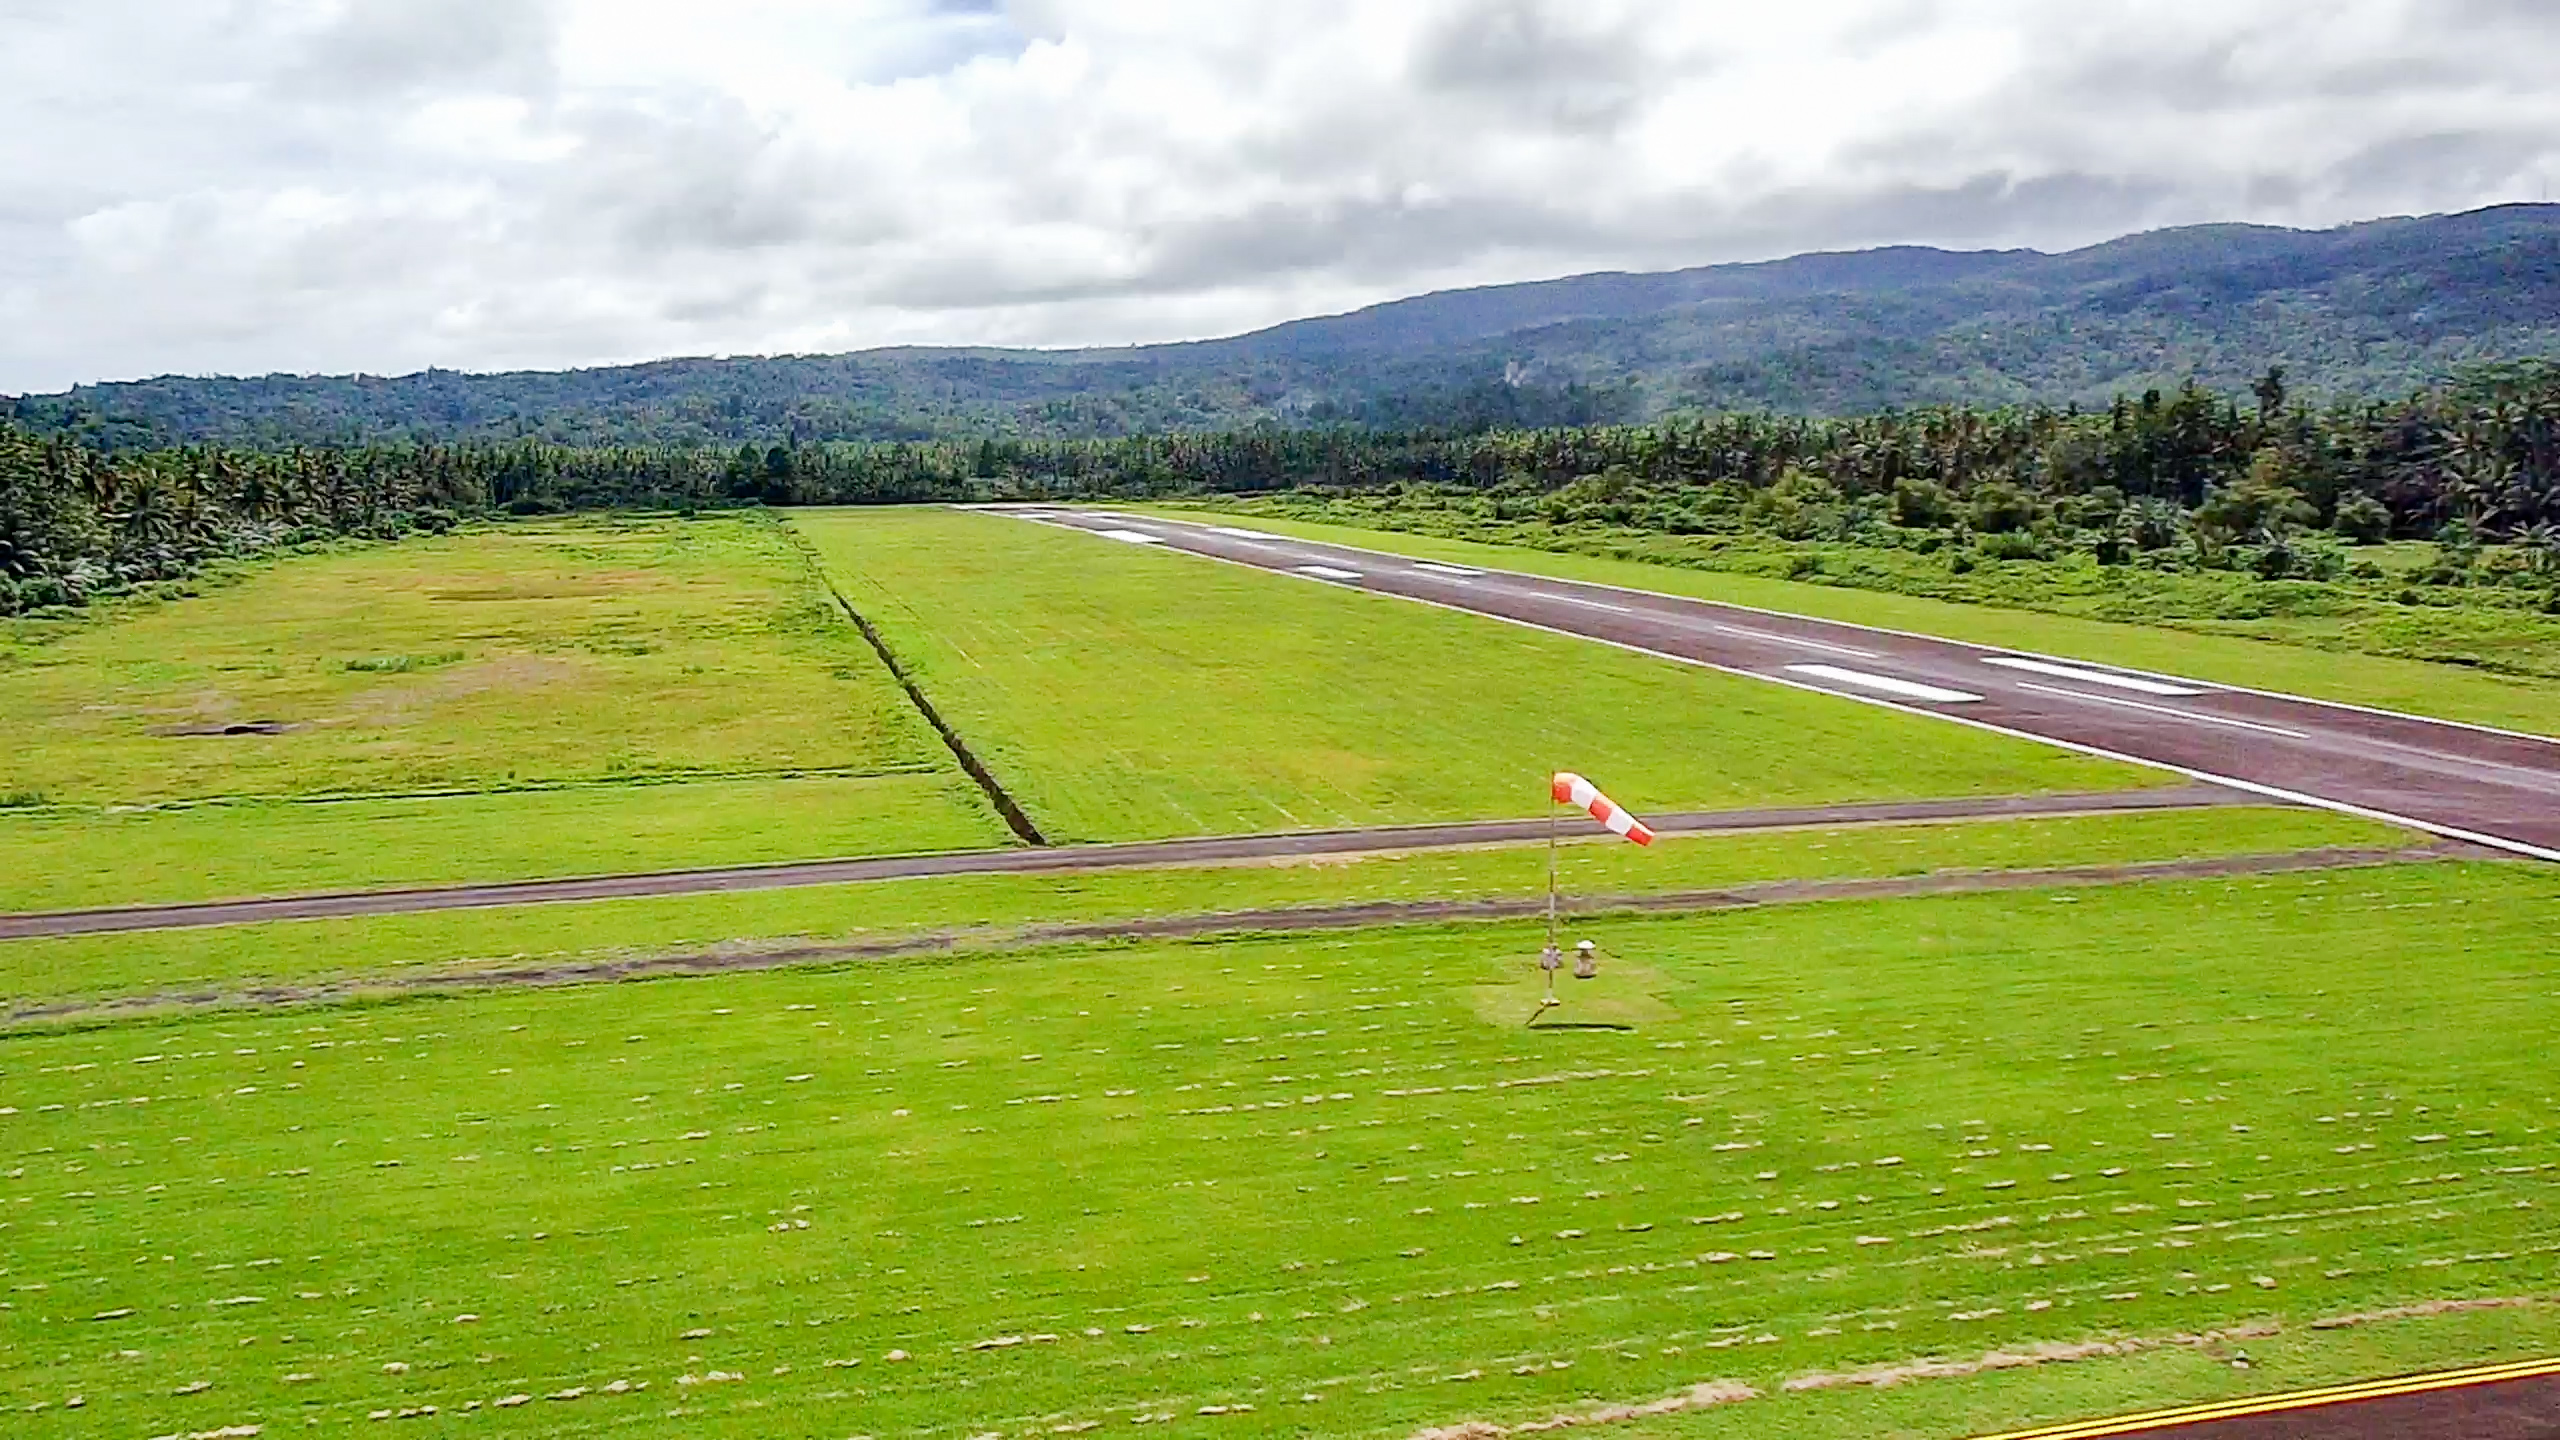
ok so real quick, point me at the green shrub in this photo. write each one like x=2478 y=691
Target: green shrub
x=2012 y=545
x=2362 y=520
x=1920 y=505
x=2000 y=508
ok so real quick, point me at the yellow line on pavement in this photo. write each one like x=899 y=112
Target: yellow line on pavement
x=2298 y=1400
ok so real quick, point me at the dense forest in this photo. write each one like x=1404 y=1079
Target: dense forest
x=2188 y=478
x=2361 y=312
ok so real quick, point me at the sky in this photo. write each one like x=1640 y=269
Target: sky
x=326 y=186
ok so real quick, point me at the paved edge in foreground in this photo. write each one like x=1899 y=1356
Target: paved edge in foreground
x=993 y=940
x=1064 y=859
x=2351 y=1410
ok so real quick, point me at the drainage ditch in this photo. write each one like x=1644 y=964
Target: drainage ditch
x=1015 y=818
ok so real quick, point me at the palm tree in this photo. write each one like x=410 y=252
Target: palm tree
x=2541 y=543
x=2477 y=473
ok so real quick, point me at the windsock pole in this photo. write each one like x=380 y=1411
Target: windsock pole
x=1551 y=874
x=1551 y=893
x=1566 y=788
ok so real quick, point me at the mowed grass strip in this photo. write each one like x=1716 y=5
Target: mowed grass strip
x=59 y=861
x=1316 y=1184
x=2413 y=686
x=47 y=974
x=577 y=649
x=1122 y=693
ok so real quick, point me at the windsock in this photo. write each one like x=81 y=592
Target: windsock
x=1572 y=789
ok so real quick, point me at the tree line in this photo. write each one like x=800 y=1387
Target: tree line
x=2212 y=478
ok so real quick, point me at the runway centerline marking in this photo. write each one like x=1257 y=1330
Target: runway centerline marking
x=1886 y=684
x=1774 y=638
x=1327 y=572
x=1132 y=537
x=2089 y=677
x=1232 y=533
x=1455 y=572
x=2119 y=700
x=1586 y=604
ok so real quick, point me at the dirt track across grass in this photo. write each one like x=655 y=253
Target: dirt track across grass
x=1324 y=917
x=1064 y=859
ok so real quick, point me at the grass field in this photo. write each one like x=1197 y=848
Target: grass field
x=1120 y=694
x=1319 y=1183
x=61 y=861
x=451 y=673
x=2418 y=687
x=51 y=972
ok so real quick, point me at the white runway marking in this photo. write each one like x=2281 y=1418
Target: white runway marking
x=1232 y=533
x=1589 y=604
x=1775 y=638
x=1455 y=572
x=2088 y=677
x=1134 y=537
x=1885 y=684
x=2164 y=710
x=1327 y=572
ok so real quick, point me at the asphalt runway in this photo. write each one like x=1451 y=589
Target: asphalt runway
x=1226 y=849
x=2464 y=782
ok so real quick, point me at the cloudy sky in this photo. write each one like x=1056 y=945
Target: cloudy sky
x=242 y=186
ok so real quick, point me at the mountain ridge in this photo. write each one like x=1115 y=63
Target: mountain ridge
x=2364 y=310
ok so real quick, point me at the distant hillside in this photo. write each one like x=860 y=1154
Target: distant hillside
x=2366 y=310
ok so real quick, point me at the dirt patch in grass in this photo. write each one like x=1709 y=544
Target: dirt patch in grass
x=511 y=673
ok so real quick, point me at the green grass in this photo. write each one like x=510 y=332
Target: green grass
x=456 y=685
x=1253 y=1171
x=2301 y=656
x=52 y=972
x=66 y=861
x=590 y=648
x=1121 y=693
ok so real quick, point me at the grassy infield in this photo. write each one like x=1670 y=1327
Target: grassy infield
x=1153 y=1180
x=563 y=683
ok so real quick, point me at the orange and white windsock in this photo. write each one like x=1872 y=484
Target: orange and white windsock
x=1572 y=789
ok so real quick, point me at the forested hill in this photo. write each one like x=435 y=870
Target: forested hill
x=2369 y=310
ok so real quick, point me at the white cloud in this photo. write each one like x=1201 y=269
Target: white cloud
x=244 y=185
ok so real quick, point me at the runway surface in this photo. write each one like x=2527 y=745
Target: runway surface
x=1210 y=851
x=2491 y=787
x=2492 y=1402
